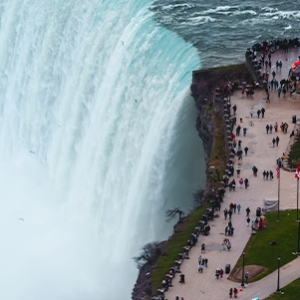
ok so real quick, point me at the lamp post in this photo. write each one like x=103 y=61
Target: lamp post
x=243 y=269
x=278 y=290
x=298 y=251
x=278 y=177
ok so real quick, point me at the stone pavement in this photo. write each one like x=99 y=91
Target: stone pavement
x=263 y=155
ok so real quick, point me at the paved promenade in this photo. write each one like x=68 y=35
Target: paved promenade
x=263 y=155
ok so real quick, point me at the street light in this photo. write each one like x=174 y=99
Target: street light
x=243 y=269
x=278 y=290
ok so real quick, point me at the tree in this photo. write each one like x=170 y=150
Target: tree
x=171 y=213
x=149 y=254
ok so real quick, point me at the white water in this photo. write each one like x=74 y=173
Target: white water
x=99 y=93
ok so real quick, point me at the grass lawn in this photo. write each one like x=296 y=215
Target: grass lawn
x=174 y=247
x=291 y=291
x=285 y=233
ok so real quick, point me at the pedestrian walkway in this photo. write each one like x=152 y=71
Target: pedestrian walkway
x=261 y=154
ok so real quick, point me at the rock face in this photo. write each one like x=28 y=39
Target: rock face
x=143 y=286
x=203 y=91
x=205 y=125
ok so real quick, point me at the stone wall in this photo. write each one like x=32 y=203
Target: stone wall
x=252 y=67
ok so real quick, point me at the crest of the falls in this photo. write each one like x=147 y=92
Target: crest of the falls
x=96 y=142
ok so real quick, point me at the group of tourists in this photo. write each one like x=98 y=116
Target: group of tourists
x=266 y=175
x=226 y=244
x=201 y=263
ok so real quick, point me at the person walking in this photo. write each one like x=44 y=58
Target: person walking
x=246 y=150
x=235 y=292
x=221 y=273
x=246 y=183
x=238 y=208
x=258 y=113
x=264 y=174
x=271 y=127
x=248 y=221
x=273 y=141
x=234 y=109
x=276 y=127
x=234 y=208
x=267 y=175
x=279 y=91
x=238 y=171
x=224 y=244
x=240 y=154
x=230 y=214
x=230 y=293
x=283 y=92
x=271 y=175
x=248 y=211
x=263 y=112
x=201 y=267
x=225 y=213
x=243 y=93
x=245 y=130
x=254 y=169
x=228 y=245
x=251 y=112
x=285 y=127
x=267 y=128
x=268 y=98
x=237 y=131
x=277 y=141
x=205 y=262
x=241 y=181
x=199 y=260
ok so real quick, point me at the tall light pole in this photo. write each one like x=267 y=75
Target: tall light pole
x=278 y=177
x=278 y=290
x=298 y=251
x=243 y=269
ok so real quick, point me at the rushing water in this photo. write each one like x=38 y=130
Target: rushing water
x=222 y=31
x=97 y=141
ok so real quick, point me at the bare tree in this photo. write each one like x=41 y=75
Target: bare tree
x=149 y=254
x=171 y=213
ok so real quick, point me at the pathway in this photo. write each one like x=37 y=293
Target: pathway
x=263 y=155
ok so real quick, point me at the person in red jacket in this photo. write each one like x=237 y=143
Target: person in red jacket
x=241 y=181
x=235 y=292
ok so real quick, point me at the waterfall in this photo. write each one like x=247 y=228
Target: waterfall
x=96 y=142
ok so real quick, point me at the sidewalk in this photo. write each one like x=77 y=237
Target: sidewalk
x=262 y=154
